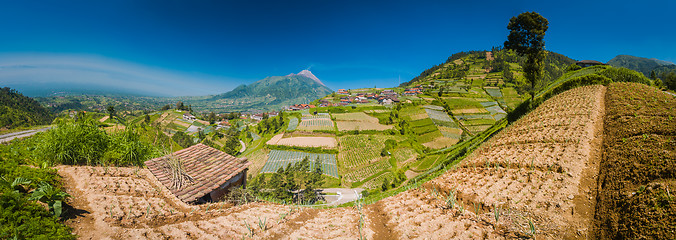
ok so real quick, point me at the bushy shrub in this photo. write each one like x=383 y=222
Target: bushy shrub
x=80 y=142
x=625 y=75
x=84 y=143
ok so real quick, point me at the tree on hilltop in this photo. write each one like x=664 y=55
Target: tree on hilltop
x=111 y=111
x=526 y=37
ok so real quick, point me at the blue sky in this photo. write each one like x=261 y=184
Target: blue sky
x=203 y=47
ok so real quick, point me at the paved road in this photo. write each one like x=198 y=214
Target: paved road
x=343 y=195
x=243 y=146
x=22 y=134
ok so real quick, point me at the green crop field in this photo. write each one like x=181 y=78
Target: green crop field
x=316 y=124
x=293 y=124
x=377 y=182
x=462 y=103
x=278 y=159
x=358 y=150
x=366 y=171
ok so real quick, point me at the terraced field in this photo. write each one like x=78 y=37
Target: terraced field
x=358 y=150
x=320 y=123
x=279 y=159
x=540 y=169
x=366 y=171
x=358 y=121
x=127 y=203
x=293 y=124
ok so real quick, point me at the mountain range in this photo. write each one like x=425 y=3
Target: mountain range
x=643 y=65
x=270 y=93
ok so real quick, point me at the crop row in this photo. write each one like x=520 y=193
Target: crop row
x=367 y=171
x=318 y=116
x=357 y=150
x=293 y=124
x=281 y=159
x=378 y=181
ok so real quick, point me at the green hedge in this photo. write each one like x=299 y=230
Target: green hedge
x=302 y=149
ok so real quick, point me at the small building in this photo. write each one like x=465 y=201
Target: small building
x=189 y=117
x=343 y=92
x=207 y=174
x=589 y=63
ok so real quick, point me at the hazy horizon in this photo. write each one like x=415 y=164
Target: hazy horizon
x=199 y=48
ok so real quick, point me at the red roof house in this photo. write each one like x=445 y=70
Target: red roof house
x=206 y=173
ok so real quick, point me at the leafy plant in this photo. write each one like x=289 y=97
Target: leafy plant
x=53 y=197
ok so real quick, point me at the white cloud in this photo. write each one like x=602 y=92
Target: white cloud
x=87 y=70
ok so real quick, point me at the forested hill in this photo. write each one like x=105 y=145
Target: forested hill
x=270 y=93
x=639 y=64
x=462 y=64
x=17 y=110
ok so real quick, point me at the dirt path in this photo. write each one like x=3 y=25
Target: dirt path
x=585 y=200
x=104 y=118
x=378 y=222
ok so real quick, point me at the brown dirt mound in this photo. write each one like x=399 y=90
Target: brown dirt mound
x=638 y=170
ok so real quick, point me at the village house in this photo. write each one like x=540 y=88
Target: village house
x=297 y=107
x=588 y=63
x=343 y=92
x=223 y=124
x=388 y=92
x=412 y=91
x=189 y=117
x=204 y=174
x=273 y=114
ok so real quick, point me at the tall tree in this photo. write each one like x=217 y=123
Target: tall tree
x=526 y=37
x=212 y=118
x=111 y=111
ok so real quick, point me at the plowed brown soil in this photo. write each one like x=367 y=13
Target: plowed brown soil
x=638 y=170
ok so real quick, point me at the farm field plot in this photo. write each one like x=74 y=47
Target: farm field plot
x=366 y=171
x=412 y=113
x=469 y=111
x=293 y=124
x=511 y=97
x=255 y=136
x=257 y=159
x=494 y=92
x=278 y=159
x=128 y=203
x=639 y=137
x=325 y=142
x=355 y=116
x=401 y=155
x=441 y=142
x=324 y=124
x=378 y=181
x=318 y=116
x=462 y=102
x=533 y=173
x=418 y=214
x=358 y=150
x=358 y=121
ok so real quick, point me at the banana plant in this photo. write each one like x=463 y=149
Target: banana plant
x=51 y=196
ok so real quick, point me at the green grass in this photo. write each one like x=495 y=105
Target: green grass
x=462 y=103
x=423 y=126
x=428 y=137
x=479 y=121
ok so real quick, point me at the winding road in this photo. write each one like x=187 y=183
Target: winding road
x=22 y=134
x=343 y=195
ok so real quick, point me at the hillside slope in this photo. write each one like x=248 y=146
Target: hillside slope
x=17 y=110
x=639 y=64
x=270 y=93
